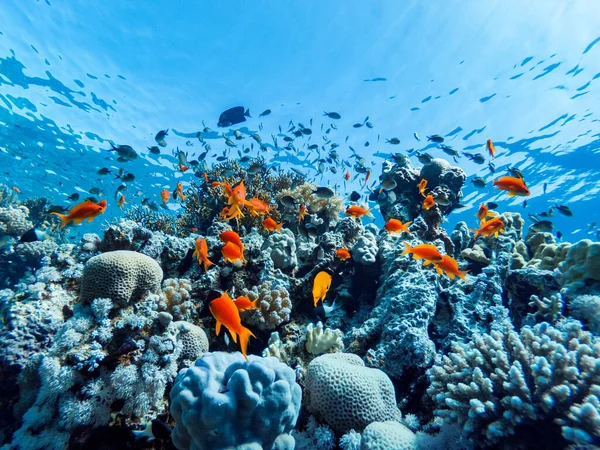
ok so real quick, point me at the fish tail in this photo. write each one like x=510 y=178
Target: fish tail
x=247 y=113
x=245 y=334
x=461 y=274
x=254 y=304
x=407 y=249
x=207 y=263
x=405 y=227
x=278 y=227
x=63 y=217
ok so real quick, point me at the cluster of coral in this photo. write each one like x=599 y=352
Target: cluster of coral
x=111 y=339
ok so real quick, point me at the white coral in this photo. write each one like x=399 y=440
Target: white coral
x=322 y=340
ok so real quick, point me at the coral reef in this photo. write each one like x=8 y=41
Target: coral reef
x=274 y=306
x=388 y=435
x=223 y=401
x=366 y=395
x=122 y=275
x=322 y=340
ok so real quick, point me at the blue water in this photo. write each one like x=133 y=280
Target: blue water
x=74 y=76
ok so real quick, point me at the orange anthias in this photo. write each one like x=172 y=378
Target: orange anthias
x=514 y=186
x=490 y=147
x=121 y=201
x=271 y=225
x=178 y=192
x=233 y=237
x=165 y=195
x=321 y=286
x=243 y=303
x=429 y=202
x=428 y=252
x=422 y=186
x=483 y=213
x=395 y=226
x=225 y=311
x=236 y=199
x=258 y=207
x=183 y=168
x=84 y=210
x=491 y=227
x=358 y=211
x=449 y=266
x=232 y=253
x=201 y=253
x=342 y=253
x=302 y=212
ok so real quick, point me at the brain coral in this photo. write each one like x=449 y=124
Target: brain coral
x=348 y=395
x=121 y=275
x=223 y=401
x=388 y=435
x=193 y=340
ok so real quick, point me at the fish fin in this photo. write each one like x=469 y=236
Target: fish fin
x=407 y=249
x=511 y=194
x=247 y=114
x=426 y=263
x=78 y=221
x=207 y=263
x=90 y=219
x=278 y=227
x=245 y=334
x=254 y=304
x=461 y=274
x=233 y=335
x=450 y=275
x=63 y=217
x=218 y=329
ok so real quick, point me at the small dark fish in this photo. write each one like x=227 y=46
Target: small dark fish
x=122 y=187
x=424 y=158
x=388 y=184
x=564 y=210
x=233 y=116
x=549 y=213
x=221 y=158
x=545 y=188
x=492 y=205
x=154 y=150
x=492 y=167
x=516 y=172
x=73 y=197
x=104 y=171
x=477 y=158
x=435 y=138
x=524 y=203
x=369 y=124
x=255 y=167
x=354 y=196
x=367 y=144
x=33 y=235
x=373 y=196
x=332 y=115
x=393 y=141
x=357 y=125
x=266 y=112
x=306 y=131
x=160 y=137
x=57 y=209
x=288 y=139
x=125 y=152
x=323 y=192
x=313 y=147
x=449 y=150
x=95 y=191
x=416 y=135
x=559 y=235
x=478 y=182
x=288 y=201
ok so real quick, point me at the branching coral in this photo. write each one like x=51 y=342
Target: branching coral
x=503 y=387
x=326 y=208
x=152 y=220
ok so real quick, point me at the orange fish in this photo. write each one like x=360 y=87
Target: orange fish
x=321 y=286
x=428 y=252
x=16 y=189
x=121 y=201
x=84 y=210
x=232 y=253
x=226 y=313
x=342 y=253
x=201 y=253
x=483 y=213
x=490 y=147
x=347 y=176
x=271 y=225
x=396 y=226
x=492 y=227
x=358 y=211
x=165 y=195
x=183 y=168
x=232 y=236
x=450 y=266
x=422 y=186
x=205 y=175
x=367 y=176
x=429 y=202
x=243 y=303
x=302 y=211
x=178 y=192
x=514 y=186
x=258 y=207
